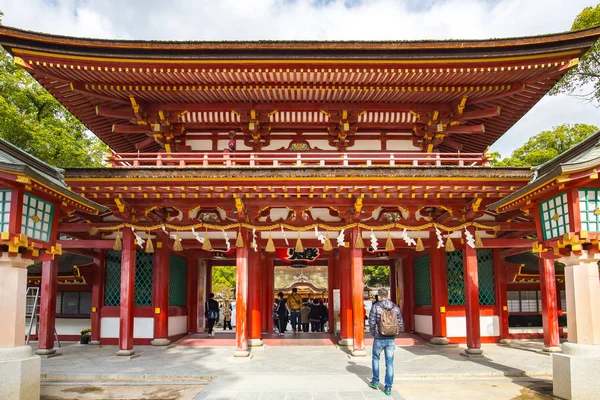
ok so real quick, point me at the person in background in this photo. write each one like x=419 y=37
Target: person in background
x=227 y=316
x=315 y=316
x=304 y=311
x=294 y=303
x=385 y=322
x=211 y=313
x=282 y=313
x=275 y=317
x=324 y=315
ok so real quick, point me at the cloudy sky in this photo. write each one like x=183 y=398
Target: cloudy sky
x=320 y=19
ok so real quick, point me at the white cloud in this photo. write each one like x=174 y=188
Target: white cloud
x=322 y=20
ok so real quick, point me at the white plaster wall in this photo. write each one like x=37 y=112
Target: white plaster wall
x=366 y=145
x=277 y=144
x=65 y=326
x=200 y=144
x=424 y=324
x=403 y=145
x=109 y=327
x=177 y=325
x=143 y=328
x=457 y=326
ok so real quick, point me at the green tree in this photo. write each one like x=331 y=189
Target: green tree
x=588 y=70
x=376 y=276
x=33 y=120
x=223 y=281
x=546 y=145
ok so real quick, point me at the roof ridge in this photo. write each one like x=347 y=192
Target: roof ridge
x=31 y=161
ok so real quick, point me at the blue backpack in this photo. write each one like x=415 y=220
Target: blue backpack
x=211 y=314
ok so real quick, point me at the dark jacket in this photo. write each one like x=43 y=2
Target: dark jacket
x=375 y=316
x=281 y=309
x=212 y=305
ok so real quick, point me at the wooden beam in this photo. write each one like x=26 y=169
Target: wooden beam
x=86 y=244
x=487 y=113
x=466 y=129
x=121 y=113
x=117 y=128
x=511 y=243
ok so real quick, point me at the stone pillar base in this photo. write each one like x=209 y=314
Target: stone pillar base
x=160 y=342
x=358 y=353
x=241 y=353
x=552 y=349
x=440 y=341
x=576 y=371
x=45 y=352
x=125 y=353
x=472 y=353
x=505 y=341
x=95 y=342
x=19 y=373
x=345 y=342
x=255 y=342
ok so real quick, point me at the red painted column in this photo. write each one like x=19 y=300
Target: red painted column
x=501 y=294
x=268 y=278
x=192 y=294
x=358 y=305
x=127 y=294
x=408 y=313
x=549 y=308
x=47 y=307
x=439 y=294
x=208 y=277
x=98 y=297
x=254 y=308
x=160 y=293
x=330 y=287
x=344 y=267
x=393 y=281
x=472 y=301
x=241 y=327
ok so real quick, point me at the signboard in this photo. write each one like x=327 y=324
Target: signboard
x=336 y=300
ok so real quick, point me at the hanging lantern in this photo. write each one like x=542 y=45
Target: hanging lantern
x=419 y=246
x=327 y=245
x=389 y=244
x=299 y=247
x=118 y=245
x=359 y=244
x=449 y=245
x=206 y=245
x=478 y=242
x=149 y=245
x=270 y=245
x=177 y=244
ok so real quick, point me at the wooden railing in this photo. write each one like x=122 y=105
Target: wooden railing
x=243 y=159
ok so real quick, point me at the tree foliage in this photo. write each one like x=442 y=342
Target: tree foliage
x=376 y=276
x=588 y=70
x=545 y=146
x=223 y=281
x=33 y=120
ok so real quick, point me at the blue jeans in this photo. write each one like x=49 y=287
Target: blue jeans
x=387 y=345
x=295 y=316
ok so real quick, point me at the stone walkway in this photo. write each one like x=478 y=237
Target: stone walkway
x=307 y=372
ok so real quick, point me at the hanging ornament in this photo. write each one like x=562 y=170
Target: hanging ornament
x=469 y=239
x=440 y=238
x=206 y=245
x=420 y=246
x=239 y=241
x=270 y=245
x=374 y=242
x=407 y=239
x=149 y=245
x=197 y=236
x=327 y=245
x=177 y=244
x=118 y=245
x=254 y=241
x=478 y=241
x=227 y=243
x=389 y=244
x=359 y=244
x=285 y=237
x=299 y=248
x=164 y=228
x=341 y=239
x=449 y=245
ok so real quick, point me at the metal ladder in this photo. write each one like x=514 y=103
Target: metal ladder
x=33 y=313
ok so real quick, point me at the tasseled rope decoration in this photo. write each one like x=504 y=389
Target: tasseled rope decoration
x=239 y=241
x=149 y=245
x=327 y=245
x=118 y=245
x=419 y=246
x=359 y=244
x=449 y=245
x=478 y=242
x=299 y=248
x=206 y=245
x=270 y=248
x=389 y=244
x=177 y=244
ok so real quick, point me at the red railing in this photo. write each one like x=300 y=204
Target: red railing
x=243 y=159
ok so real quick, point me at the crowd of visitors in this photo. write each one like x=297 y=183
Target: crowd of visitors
x=304 y=315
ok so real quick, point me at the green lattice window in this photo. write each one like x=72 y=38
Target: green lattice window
x=177 y=281
x=456 y=278
x=5 y=196
x=143 y=278
x=112 y=279
x=589 y=201
x=555 y=216
x=485 y=271
x=423 y=281
x=37 y=217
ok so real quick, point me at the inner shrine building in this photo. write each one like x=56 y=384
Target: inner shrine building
x=270 y=153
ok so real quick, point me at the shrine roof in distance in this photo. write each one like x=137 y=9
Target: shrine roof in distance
x=437 y=96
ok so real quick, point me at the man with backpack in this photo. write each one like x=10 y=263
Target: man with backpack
x=385 y=322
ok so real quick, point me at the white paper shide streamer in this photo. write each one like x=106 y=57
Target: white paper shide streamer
x=469 y=238
x=374 y=242
x=341 y=239
x=440 y=238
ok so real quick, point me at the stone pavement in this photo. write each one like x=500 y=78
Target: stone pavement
x=307 y=372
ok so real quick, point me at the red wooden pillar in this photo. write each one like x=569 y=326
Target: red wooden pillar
x=127 y=294
x=358 y=305
x=98 y=297
x=330 y=287
x=268 y=285
x=549 y=308
x=47 y=307
x=209 y=274
x=501 y=294
x=439 y=292
x=241 y=327
x=160 y=294
x=254 y=308
x=393 y=282
x=192 y=294
x=472 y=301
x=408 y=313
x=344 y=267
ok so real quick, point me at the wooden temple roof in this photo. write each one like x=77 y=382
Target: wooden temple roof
x=149 y=95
